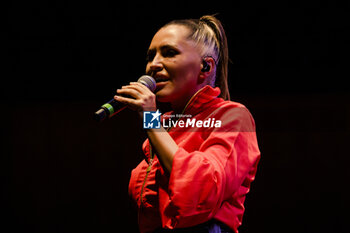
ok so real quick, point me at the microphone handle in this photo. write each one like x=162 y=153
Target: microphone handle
x=109 y=109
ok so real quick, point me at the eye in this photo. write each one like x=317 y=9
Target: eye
x=170 y=52
x=150 y=55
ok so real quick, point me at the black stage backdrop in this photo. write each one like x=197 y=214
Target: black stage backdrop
x=61 y=172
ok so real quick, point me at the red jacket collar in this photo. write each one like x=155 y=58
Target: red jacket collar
x=200 y=98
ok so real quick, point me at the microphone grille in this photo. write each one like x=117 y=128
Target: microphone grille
x=148 y=81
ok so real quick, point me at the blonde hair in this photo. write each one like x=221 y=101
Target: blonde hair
x=210 y=37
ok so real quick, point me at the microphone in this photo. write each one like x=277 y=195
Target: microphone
x=112 y=107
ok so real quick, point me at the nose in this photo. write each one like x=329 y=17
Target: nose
x=156 y=64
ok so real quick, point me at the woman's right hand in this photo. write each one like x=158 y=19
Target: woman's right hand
x=142 y=98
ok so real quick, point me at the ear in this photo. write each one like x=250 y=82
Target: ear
x=207 y=68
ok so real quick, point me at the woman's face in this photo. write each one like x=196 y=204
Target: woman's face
x=175 y=63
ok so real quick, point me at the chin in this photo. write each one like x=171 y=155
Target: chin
x=163 y=96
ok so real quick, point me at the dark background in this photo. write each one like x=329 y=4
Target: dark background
x=61 y=172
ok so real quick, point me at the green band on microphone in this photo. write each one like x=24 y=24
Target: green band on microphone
x=109 y=107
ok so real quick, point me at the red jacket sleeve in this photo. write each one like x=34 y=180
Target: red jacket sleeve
x=201 y=180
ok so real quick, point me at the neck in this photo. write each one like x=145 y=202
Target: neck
x=181 y=105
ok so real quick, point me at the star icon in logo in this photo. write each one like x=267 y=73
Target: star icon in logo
x=155 y=115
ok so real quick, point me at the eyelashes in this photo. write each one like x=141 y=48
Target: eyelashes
x=171 y=53
x=150 y=56
x=165 y=52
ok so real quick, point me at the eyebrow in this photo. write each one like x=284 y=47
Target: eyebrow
x=166 y=46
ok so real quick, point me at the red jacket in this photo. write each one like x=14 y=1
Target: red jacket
x=211 y=171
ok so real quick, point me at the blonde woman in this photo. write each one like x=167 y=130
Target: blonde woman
x=192 y=179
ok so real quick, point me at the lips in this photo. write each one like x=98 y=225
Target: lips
x=161 y=82
x=161 y=78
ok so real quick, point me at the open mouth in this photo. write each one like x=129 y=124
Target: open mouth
x=161 y=78
x=158 y=80
x=161 y=82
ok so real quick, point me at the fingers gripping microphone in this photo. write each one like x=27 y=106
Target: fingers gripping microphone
x=112 y=107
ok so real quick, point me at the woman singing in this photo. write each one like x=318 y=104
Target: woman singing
x=193 y=178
